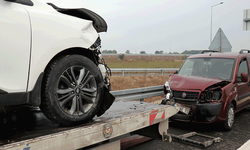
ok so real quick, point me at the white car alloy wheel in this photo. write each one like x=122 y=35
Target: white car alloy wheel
x=76 y=90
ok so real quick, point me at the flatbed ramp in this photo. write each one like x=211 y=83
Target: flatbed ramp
x=123 y=117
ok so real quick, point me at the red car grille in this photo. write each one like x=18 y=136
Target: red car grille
x=188 y=95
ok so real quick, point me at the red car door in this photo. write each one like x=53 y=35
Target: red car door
x=243 y=87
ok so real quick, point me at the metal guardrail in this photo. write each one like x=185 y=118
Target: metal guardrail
x=138 y=93
x=161 y=70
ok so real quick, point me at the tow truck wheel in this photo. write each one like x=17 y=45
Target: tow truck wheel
x=228 y=125
x=72 y=90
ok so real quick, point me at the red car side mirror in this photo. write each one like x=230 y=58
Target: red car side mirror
x=175 y=72
x=244 y=77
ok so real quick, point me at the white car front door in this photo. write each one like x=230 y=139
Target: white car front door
x=15 y=39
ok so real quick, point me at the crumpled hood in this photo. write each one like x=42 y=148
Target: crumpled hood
x=98 y=22
x=177 y=82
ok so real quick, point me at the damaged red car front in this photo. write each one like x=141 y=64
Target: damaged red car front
x=210 y=88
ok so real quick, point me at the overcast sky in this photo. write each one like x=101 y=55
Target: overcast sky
x=167 y=25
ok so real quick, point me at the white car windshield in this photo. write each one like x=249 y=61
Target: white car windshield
x=208 y=67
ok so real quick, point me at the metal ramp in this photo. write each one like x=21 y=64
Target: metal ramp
x=187 y=138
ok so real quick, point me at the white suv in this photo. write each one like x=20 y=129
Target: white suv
x=50 y=57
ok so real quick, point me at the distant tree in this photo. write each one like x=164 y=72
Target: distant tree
x=121 y=56
x=114 y=52
x=184 y=57
x=105 y=51
x=127 y=52
x=192 y=52
x=142 y=52
x=158 y=52
x=110 y=52
x=176 y=53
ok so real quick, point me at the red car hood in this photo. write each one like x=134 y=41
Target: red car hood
x=177 y=82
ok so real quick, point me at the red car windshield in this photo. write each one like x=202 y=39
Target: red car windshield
x=208 y=67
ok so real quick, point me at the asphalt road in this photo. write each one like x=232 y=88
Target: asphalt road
x=232 y=140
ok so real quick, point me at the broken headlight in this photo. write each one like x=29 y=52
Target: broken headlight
x=215 y=95
x=167 y=91
x=105 y=70
x=167 y=88
x=210 y=96
x=96 y=45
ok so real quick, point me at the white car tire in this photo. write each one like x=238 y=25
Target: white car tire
x=72 y=90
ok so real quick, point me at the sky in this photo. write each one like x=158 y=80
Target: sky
x=167 y=25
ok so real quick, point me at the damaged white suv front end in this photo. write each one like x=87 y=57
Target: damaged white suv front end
x=50 y=57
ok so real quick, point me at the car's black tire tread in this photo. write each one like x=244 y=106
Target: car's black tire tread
x=45 y=96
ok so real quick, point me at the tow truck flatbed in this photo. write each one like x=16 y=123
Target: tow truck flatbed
x=123 y=117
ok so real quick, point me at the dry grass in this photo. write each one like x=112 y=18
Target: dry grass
x=130 y=82
x=141 y=61
x=135 y=58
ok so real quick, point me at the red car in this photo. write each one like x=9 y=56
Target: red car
x=210 y=87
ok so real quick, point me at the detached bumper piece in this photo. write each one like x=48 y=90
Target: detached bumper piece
x=185 y=138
